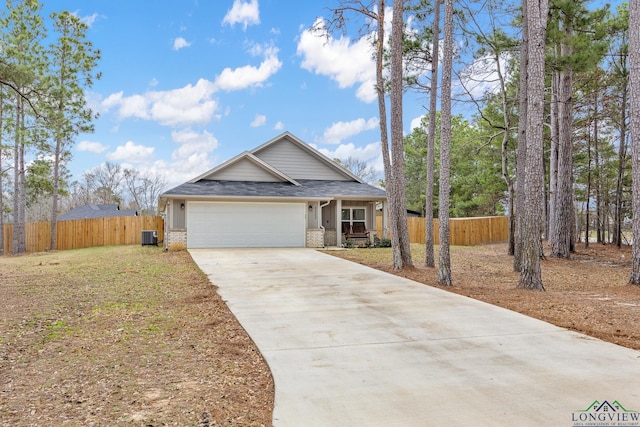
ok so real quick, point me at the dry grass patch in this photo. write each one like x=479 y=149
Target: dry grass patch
x=588 y=293
x=125 y=335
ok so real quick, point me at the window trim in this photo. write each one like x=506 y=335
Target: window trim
x=351 y=220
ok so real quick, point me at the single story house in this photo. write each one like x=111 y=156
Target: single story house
x=92 y=210
x=283 y=193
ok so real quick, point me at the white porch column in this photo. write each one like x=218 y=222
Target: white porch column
x=339 y=222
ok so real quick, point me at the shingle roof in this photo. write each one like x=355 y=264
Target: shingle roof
x=307 y=189
x=96 y=211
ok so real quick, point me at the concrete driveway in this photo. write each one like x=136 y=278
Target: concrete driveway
x=352 y=346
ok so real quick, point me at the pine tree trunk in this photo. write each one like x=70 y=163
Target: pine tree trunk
x=521 y=156
x=429 y=259
x=1 y=175
x=550 y=224
x=22 y=206
x=384 y=138
x=510 y=195
x=505 y=153
x=444 y=263
x=18 y=244
x=530 y=274
x=634 y=74
x=598 y=172
x=16 y=171
x=397 y=135
x=622 y=158
x=55 y=193
x=588 y=220
x=564 y=218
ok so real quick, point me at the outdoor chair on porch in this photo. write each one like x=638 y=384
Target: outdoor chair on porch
x=356 y=231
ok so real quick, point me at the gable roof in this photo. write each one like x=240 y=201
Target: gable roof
x=96 y=211
x=283 y=168
x=246 y=156
x=263 y=150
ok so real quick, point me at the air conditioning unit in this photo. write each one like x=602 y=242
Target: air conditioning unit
x=149 y=237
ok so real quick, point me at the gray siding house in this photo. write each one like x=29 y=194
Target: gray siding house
x=283 y=193
x=96 y=211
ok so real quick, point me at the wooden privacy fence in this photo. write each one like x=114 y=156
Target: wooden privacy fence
x=127 y=230
x=85 y=233
x=462 y=231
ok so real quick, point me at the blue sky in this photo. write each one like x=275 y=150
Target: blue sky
x=189 y=84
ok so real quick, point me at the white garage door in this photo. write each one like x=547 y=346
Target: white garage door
x=235 y=224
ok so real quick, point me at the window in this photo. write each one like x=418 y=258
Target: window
x=351 y=216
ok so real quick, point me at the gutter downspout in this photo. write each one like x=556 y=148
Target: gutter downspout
x=322 y=226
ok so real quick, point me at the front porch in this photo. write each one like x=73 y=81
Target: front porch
x=333 y=223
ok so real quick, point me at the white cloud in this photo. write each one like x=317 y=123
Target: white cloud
x=112 y=100
x=134 y=106
x=344 y=151
x=278 y=126
x=245 y=13
x=192 y=104
x=94 y=101
x=371 y=154
x=367 y=92
x=180 y=43
x=257 y=49
x=249 y=76
x=416 y=122
x=88 y=20
x=131 y=153
x=184 y=106
x=191 y=158
x=481 y=77
x=346 y=63
x=91 y=147
x=259 y=120
x=185 y=169
x=340 y=131
x=192 y=143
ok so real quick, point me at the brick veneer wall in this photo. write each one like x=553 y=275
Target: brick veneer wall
x=315 y=238
x=176 y=240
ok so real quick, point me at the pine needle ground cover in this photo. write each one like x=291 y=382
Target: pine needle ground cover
x=123 y=335
x=587 y=293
